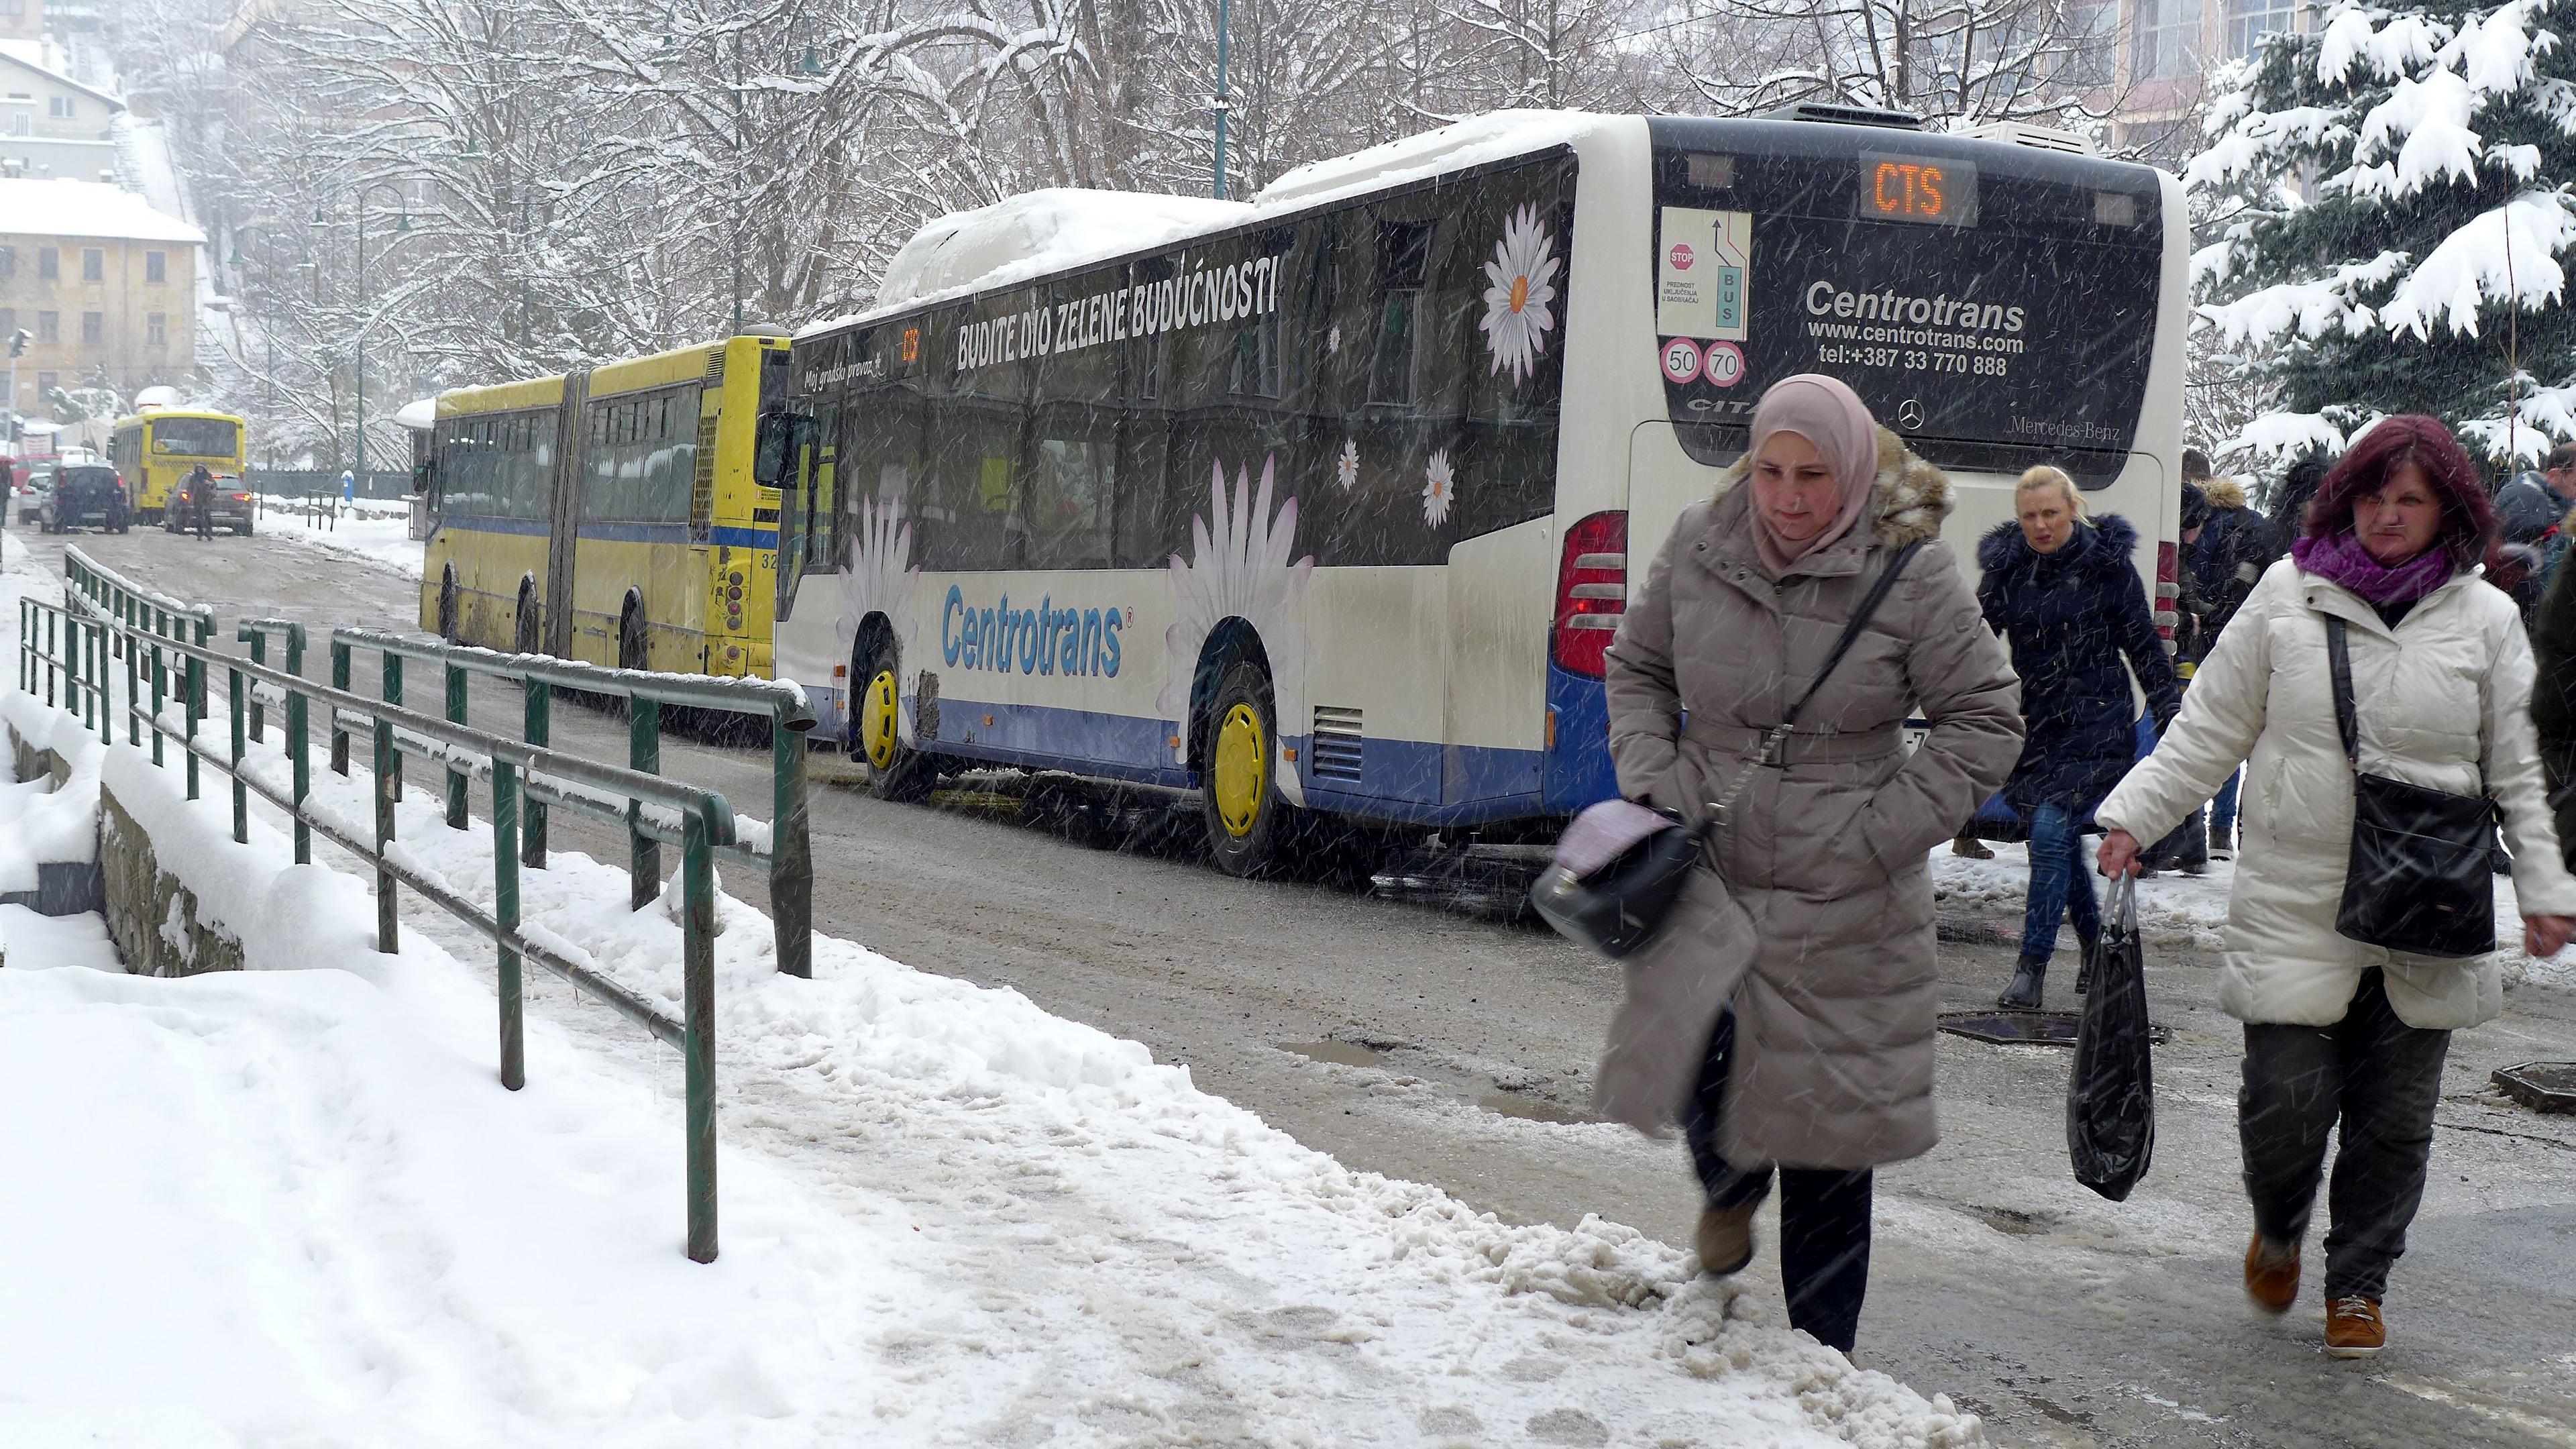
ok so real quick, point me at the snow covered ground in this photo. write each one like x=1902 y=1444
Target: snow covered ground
x=300 y=1208
x=378 y=531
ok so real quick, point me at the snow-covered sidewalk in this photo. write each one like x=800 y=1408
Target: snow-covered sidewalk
x=296 y=1206
x=377 y=531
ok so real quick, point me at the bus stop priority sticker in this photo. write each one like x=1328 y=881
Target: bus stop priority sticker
x=1682 y=360
x=1724 y=366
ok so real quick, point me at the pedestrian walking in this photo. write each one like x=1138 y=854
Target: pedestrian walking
x=201 y=497
x=2064 y=591
x=2233 y=550
x=1783 y=1016
x=2186 y=847
x=2344 y=1038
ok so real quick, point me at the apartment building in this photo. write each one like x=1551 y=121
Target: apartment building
x=104 y=286
x=22 y=19
x=51 y=124
x=2146 y=62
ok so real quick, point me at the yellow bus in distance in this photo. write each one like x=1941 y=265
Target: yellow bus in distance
x=610 y=515
x=154 y=450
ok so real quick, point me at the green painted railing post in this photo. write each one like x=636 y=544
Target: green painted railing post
x=791 y=851
x=339 y=731
x=196 y=702
x=299 y=746
x=393 y=670
x=133 y=676
x=24 y=639
x=51 y=649
x=241 y=792
x=698 y=1001
x=90 y=646
x=258 y=655
x=455 y=778
x=540 y=732
x=505 y=910
x=160 y=679
x=644 y=755
x=388 y=790
x=106 y=684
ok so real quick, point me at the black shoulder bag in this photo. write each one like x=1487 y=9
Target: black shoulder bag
x=1616 y=907
x=2419 y=878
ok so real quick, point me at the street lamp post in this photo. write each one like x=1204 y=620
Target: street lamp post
x=358 y=341
x=1224 y=26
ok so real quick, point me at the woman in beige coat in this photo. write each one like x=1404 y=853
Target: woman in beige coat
x=1784 y=1015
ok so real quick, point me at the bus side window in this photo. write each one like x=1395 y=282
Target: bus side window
x=1403 y=265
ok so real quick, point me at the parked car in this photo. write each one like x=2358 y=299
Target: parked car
x=32 y=489
x=230 y=500
x=87 y=495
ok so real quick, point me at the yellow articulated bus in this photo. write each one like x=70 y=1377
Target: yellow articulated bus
x=153 y=451
x=610 y=515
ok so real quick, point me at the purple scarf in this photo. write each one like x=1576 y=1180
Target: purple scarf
x=2342 y=560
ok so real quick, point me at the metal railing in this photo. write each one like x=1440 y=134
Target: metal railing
x=787 y=860
x=106 y=616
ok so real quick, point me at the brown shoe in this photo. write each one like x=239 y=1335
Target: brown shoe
x=2272 y=1274
x=1971 y=847
x=1725 y=1239
x=2354 y=1328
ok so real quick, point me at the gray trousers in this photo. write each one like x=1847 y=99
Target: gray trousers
x=2378 y=1079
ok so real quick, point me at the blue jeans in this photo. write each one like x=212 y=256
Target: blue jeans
x=2059 y=884
x=2222 y=811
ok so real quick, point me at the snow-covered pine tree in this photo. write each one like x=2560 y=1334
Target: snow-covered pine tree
x=2391 y=194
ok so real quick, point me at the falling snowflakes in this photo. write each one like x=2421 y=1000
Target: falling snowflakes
x=1346 y=469
x=1523 y=277
x=1238 y=569
x=1439 y=490
x=1333 y=338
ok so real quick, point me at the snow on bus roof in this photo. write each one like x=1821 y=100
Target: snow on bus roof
x=1060 y=228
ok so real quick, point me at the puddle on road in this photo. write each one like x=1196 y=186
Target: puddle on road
x=1339 y=1053
x=1531 y=1109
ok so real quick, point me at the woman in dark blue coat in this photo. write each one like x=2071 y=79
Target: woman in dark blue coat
x=2066 y=595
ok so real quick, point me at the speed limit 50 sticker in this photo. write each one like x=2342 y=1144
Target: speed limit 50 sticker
x=1681 y=360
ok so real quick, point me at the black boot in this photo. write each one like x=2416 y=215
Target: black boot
x=2084 y=973
x=2023 y=993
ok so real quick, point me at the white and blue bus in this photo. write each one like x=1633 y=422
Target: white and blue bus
x=1325 y=504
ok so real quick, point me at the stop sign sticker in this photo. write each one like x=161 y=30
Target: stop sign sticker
x=1683 y=256
x=1681 y=360
x=1725 y=364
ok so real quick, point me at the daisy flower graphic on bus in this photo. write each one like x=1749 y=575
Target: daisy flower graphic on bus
x=1238 y=569
x=1522 y=278
x=879 y=578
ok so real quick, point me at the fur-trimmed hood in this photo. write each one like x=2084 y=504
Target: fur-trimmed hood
x=2106 y=551
x=1908 y=499
x=2223 y=492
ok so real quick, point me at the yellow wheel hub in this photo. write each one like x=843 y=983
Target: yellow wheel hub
x=1242 y=752
x=877 y=720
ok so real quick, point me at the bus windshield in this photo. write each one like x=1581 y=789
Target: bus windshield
x=1996 y=305
x=195 y=437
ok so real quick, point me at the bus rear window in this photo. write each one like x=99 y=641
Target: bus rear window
x=1998 y=315
x=195 y=437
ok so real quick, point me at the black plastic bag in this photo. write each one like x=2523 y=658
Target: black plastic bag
x=2111 y=1100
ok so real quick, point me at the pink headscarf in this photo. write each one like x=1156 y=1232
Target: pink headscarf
x=1828 y=414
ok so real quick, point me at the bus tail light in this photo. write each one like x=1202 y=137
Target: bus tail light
x=2168 y=591
x=1591 y=593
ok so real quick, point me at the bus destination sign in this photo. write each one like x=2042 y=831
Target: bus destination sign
x=1939 y=192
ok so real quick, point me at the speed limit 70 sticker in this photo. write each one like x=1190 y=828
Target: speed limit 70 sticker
x=1681 y=360
x=1725 y=364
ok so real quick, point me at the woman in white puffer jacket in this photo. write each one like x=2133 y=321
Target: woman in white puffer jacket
x=2339 y=1032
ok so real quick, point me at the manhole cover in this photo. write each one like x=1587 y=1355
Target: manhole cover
x=2026 y=1028
x=2541 y=1086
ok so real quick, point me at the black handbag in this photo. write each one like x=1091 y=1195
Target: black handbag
x=2419 y=879
x=1616 y=905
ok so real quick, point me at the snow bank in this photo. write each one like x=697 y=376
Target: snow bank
x=380 y=534
x=48 y=825
x=948 y=1216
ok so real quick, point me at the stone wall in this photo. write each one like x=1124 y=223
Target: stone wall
x=151 y=917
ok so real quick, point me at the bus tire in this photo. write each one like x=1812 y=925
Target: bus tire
x=896 y=771
x=1239 y=802
x=447 y=606
x=634 y=651
x=526 y=634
